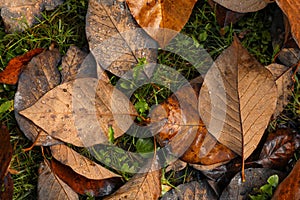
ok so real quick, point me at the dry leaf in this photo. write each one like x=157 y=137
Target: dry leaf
x=191 y=191
x=289 y=188
x=279 y=149
x=76 y=111
x=283 y=78
x=40 y=76
x=162 y=20
x=52 y=187
x=289 y=56
x=291 y=10
x=84 y=185
x=114 y=37
x=14 y=67
x=80 y=164
x=5 y=152
x=142 y=186
x=243 y=6
x=237 y=99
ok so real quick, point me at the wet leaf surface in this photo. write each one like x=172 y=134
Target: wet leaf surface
x=83 y=185
x=159 y=17
x=243 y=6
x=290 y=9
x=279 y=148
x=237 y=100
x=256 y=178
x=51 y=186
x=193 y=190
x=14 y=67
x=114 y=37
x=40 y=76
x=289 y=188
x=66 y=112
x=80 y=164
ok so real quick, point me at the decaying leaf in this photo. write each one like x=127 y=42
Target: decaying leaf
x=40 y=76
x=84 y=185
x=51 y=186
x=14 y=67
x=237 y=100
x=115 y=39
x=5 y=152
x=161 y=19
x=243 y=6
x=76 y=111
x=290 y=9
x=289 y=56
x=279 y=148
x=283 y=78
x=142 y=186
x=257 y=177
x=192 y=191
x=80 y=164
x=289 y=188
x=7 y=188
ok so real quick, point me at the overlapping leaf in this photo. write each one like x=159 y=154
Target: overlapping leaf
x=161 y=19
x=243 y=6
x=76 y=111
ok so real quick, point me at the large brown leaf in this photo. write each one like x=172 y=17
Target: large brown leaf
x=76 y=111
x=40 y=76
x=80 y=164
x=289 y=188
x=161 y=19
x=237 y=99
x=83 y=185
x=143 y=186
x=115 y=39
x=291 y=10
x=243 y=6
x=52 y=187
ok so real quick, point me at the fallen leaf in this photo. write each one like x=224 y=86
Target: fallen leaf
x=279 y=149
x=80 y=164
x=40 y=76
x=289 y=188
x=290 y=9
x=50 y=186
x=176 y=166
x=289 y=56
x=283 y=78
x=237 y=100
x=75 y=111
x=257 y=178
x=115 y=39
x=84 y=185
x=7 y=189
x=191 y=191
x=142 y=186
x=5 y=152
x=162 y=20
x=14 y=67
x=243 y=6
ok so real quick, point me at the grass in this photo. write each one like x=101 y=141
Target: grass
x=65 y=27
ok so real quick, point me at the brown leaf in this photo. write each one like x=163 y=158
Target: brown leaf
x=289 y=188
x=142 y=186
x=257 y=178
x=14 y=67
x=40 y=76
x=161 y=19
x=7 y=189
x=50 y=186
x=80 y=164
x=289 y=56
x=115 y=39
x=75 y=111
x=243 y=6
x=191 y=191
x=5 y=152
x=290 y=9
x=283 y=78
x=237 y=99
x=279 y=148
x=83 y=185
